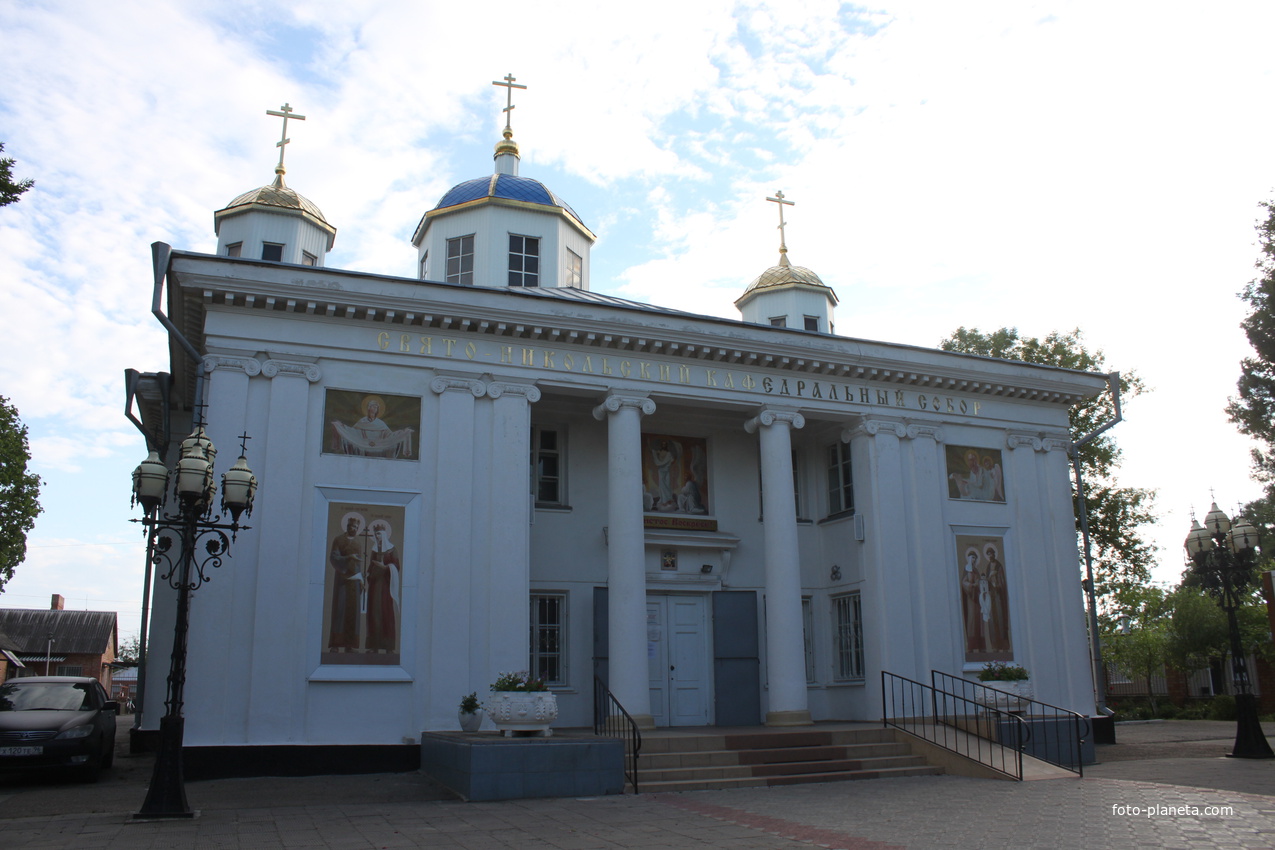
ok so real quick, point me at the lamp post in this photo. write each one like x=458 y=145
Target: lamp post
x=185 y=544
x=1222 y=553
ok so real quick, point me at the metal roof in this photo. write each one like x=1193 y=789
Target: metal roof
x=508 y=186
x=74 y=632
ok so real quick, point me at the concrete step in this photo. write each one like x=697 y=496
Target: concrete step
x=722 y=758
x=658 y=786
x=792 y=768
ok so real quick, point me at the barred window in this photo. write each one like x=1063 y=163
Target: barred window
x=70 y=670
x=847 y=618
x=549 y=637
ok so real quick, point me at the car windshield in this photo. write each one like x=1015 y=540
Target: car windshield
x=16 y=695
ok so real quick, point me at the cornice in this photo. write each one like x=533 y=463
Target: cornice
x=404 y=306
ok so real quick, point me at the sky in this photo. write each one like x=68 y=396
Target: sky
x=1039 y=165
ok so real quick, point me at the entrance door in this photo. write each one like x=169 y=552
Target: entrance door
x=677 y=658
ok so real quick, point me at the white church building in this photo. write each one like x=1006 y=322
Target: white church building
x=490 y=467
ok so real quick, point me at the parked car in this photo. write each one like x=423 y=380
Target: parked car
x=62 y=722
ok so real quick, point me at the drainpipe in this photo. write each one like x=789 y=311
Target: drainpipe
x=1095 y=640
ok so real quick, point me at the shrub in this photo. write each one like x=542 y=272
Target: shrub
x=1223 y=707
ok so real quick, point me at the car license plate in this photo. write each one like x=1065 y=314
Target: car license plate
x=21 y=751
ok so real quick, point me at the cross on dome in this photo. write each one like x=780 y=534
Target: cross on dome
x=781 y=202
x=285 y=113
x=509 y=85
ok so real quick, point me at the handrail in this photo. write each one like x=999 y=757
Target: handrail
x=954 y=723
x=612 y=721
x=1050 y=743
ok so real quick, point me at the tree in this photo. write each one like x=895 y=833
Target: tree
x=10 y=189
x=130 y=650
x=1140 y=648
x=1253 y=410
x=1122 y=558
x=19 y=491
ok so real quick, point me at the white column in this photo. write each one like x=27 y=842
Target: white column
x=450 y=600
x=785 y=650
x=509 y=540
x=626 y=555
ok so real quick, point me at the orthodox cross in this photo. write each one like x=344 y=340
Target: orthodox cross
x=779 y=199
x=243 y=443
x=509 y=85
x=285 y=113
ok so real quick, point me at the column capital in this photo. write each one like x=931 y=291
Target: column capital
x=250 y=366
x=275 y=368
x=443 y=383
x=873 y=427
x=934 y=432
x=1056 y=443
x=498 y=389
x=1024 y=440
x=613 y=403
x=771 y=415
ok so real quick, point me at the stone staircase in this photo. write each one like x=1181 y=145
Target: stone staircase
x=749 y=759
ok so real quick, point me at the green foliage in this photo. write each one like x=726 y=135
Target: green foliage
x=470 y=704
x=518 y=682
x=1122 y=558
x=999 y=671
x=10 y=189
x=19 y=491
x=130 y=651
x=1222 y=707
x=1253 y=409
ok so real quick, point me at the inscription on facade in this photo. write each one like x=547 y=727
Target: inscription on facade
x=657 y=372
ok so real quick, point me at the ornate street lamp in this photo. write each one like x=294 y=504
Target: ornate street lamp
x=184 y=546
x=1223 y=555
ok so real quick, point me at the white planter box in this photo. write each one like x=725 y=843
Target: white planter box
x=1010 y=696
x=523 y=711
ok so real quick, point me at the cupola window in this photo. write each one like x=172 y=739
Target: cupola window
x=234 y=249
x=460 y=259
x=575 y=270
x=524 y=260
x=272 y=251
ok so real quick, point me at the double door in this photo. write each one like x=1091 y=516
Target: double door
x=678 y=659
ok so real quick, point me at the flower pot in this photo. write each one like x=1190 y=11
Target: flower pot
x=470 y=721
x=523 y=711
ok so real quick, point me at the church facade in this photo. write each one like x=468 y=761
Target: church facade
x=490 y=468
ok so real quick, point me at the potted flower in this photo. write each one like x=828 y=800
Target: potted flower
x=521 y=703
x=1010 y=679
x=471 y=713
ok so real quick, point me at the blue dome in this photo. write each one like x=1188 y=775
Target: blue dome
x=505 y=186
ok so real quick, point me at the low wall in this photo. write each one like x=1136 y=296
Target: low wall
x=486 y=766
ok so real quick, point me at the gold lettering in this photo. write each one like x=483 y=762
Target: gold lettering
x=529 y=357
x=427 y=345
x=710 y=377
x=450 y=343
x=606 y=366
x=898 y=398
x=506 y=354
x=471 y=350
x=588 y=363
x=405 y=342
x=748 y=382
x=977 y=405
x=549 y=355
x=666 y=374
x=383 y=340
x=950 y=407
x=684 y=374
x=642 y=373
x=964 y=407
x=626 y=368
x=920 y=402
x=730 y=381
x=568 y=362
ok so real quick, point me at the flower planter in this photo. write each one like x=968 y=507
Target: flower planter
x=523 y=711
x=1010 y=695
x=470 y=721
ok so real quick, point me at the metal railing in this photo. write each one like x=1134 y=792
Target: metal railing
x=610 y=720
x=985 y=734
x=1057 y=735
